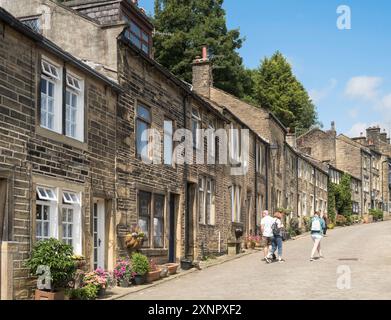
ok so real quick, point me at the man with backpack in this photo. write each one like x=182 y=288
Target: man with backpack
x=267 y=233
x=277 y=229
x=317 y=227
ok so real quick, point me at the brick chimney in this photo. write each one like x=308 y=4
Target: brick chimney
x=383 y=136
x=202 y=74
x=373 y=134
x=291 y=138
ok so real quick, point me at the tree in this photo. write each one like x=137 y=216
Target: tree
x=184 y=26
x=331 y=207
x=278 y=90
x=343 y=196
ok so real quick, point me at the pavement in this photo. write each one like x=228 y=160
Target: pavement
x=357 y=265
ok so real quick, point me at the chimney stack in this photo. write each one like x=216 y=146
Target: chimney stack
x=202 y=74
x=291 y=138
x=333 y=126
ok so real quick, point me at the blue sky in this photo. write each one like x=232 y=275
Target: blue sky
x=347 y=72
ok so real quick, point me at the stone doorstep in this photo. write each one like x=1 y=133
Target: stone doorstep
x=118 y=292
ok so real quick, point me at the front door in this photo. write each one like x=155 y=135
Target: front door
x=172 y=231
x=99 y=233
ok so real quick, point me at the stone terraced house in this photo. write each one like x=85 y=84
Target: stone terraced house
x=57 y=158
x=73 y=110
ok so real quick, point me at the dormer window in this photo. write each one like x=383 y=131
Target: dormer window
x=138 y=37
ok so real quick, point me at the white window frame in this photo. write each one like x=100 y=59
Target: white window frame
x=196 y=120
x=75 y=205
x=202 y=200
x=52 y=73
x=52 y=203
x=75 y=87
x=236 y=203
x=212 y=141
x=43 y=193
x=235 y=144
x=210 y=193
x=259 y=158
x=168 y=142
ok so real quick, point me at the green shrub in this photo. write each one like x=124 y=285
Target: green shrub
x=58 y=257
x=140 y=264
x=340 y=220
x=356 y=218
x=307 y=223
x=88 y=292
x=294 y=228
x=377 y=214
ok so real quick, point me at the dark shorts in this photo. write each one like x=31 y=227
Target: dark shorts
x=266 y=241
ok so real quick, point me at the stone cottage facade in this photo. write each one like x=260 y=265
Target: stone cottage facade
x=57 y=151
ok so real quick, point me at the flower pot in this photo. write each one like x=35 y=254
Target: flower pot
x=164 y=272
x=186 y=264
x=47 y=295
x=124 y=283
x=172 y=268
x=101 y=292
x=153 y=276
x=139 y=279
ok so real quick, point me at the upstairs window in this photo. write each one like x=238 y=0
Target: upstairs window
x=143 y=123
x=235 y=144
x=51 y=97
x=259 y=158
x=74 y=113
x=195 y=127
x=236 y=203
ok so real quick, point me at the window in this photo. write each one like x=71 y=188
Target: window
x=74 y=113
x=138 y=36
x=201 y=200
x=168 y=141
x=42 y=222
x=46 y=194
x=143 y=123
x=67 y=225
x=259 y=158
x=211 y=141
x=33 y=23
x=158 y=221
x=51 y=115
x=70 y=198
x=236 y=203
x=206 y=193
x=149 y=203
x=195 y=127
x=144 y=215
x=235 y=144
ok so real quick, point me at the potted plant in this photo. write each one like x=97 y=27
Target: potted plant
x=88 y=292
x=52 y=260
x=123 y=272
x=186 y=264
x=250 y=240
x=154 y=272
x=99 y=278
x=135 y=239
x=79 y=261
x=140 y=267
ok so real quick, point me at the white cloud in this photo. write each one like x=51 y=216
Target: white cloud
x=357 y=129
x=386 y=102
x=353 y=113
x=319 y=94
x=363 y=87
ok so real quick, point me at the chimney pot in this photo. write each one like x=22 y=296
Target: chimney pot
x=204 y=53
x=333 y=125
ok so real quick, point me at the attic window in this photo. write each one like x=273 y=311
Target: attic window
x=137 y=36
x=33 y=23
x=49 y=70
x=73 y=83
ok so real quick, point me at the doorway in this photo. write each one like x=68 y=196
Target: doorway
x=98 y=223
x=172 y=227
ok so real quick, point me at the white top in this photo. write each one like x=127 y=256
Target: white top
x=266 y=224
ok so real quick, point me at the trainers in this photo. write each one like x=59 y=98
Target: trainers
x=267 y=260
x=312 y=259
x=281 y=260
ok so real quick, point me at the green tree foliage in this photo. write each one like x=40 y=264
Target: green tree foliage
x=331 y=201
x=343 y=196
x=278 y=90
x=184 y=26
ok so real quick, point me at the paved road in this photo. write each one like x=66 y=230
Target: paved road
x=365 y=250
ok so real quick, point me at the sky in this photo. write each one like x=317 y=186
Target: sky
x=347 y=72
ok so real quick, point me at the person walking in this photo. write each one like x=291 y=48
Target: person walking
x=277 y=229
x=317 y=227
x=267 y=234
x=325 y=218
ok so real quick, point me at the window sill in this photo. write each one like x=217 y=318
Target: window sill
x=60 y=138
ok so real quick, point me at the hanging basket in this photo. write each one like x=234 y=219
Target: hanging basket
x=134 y=243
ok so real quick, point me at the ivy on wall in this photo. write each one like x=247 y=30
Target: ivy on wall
x=340 y=198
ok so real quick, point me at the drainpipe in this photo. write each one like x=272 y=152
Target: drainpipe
x=267 y=149
x=256 y=185
x=185 y=176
